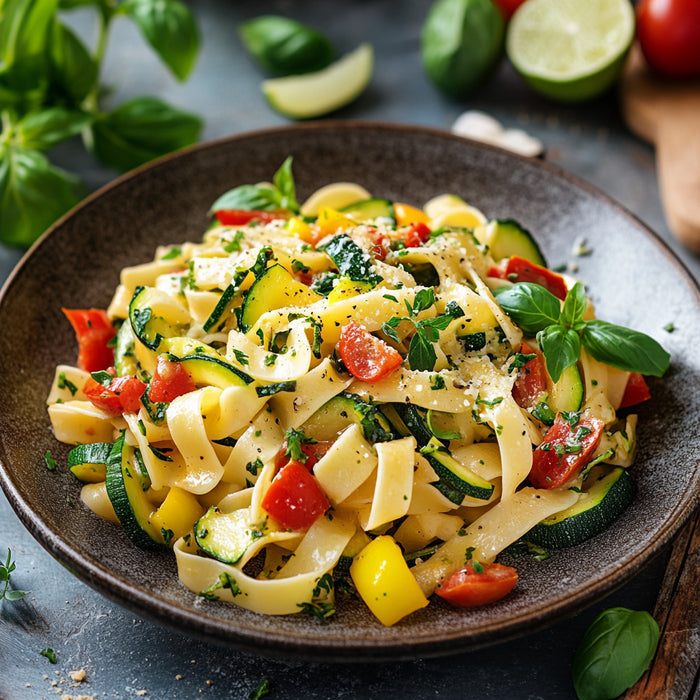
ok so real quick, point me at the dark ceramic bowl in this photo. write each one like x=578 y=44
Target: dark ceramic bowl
x=632 y=276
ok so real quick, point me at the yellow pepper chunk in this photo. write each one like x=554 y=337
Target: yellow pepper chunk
x=385 y=582
x=406 y=215
x=345 y=288
x=298 y=228
x=331 y=221
x=178 y=513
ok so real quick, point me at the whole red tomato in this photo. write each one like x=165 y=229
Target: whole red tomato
x=669 y=34
x=508 y=7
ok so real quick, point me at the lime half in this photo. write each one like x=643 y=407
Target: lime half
x=570 y=50
x=314 y=94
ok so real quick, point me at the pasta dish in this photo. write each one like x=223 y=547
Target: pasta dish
x=351 y=394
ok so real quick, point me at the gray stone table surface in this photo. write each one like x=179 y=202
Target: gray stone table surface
x=125 y=656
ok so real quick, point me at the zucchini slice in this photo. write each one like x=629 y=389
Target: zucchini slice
x=506 y=237
x=88 y=462
x=356 y=544
x=125 y=361
x=414 y=419
x=127 y=483
x=350 y=259
x=227 y=536
x=567 y=394
x=276 y=288
x=147 y=324
x=211 y=371
x=454 y=474
x=342 y=411
x=371 y=210
x=606 y=493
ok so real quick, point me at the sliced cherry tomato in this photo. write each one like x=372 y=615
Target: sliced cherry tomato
x=669 y=34
x=531 y=380
x=636 y=391
x=522 y=270
x=367 y=357
x=508 y=7
x=467 y=588
x=313 y=451
x=122 y=395
x=238 y=217
x=94 y=330
x=565 y=450
x=416 y=235
x=295 y=499
x=169 y=381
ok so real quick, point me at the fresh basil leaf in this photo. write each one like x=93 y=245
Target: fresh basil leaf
x=170 y=28
x=283 y=46
x=574 y=305
x=624 y=348
x=248 y=197
x=33 y=194
x=530 y=305
x=614 y=652
x=24 y=32
x=45 y=128
x=561 y=348
x=421 y=353
x=284 y=182
x=72 y=70
x=141 y=130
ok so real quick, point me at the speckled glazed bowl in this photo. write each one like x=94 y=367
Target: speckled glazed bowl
x=632 y=276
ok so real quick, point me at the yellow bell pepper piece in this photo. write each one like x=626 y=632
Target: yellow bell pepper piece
x=331 y=221
x=298 y=228
x=406 y=215
x=345 y=288
x=178 y=513
x=385 y=582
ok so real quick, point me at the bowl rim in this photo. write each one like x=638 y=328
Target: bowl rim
x=218 y=630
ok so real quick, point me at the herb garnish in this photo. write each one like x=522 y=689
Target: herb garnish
x=50 y=654
x=50 y=461
x=281 y=195
x=421 y=353
x=261 y=691
x=224 y=581
x=562 y=331
x=295 y=439
x=6 y=570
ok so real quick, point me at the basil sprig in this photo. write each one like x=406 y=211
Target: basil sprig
x=50 y=91
x=561 y=331
x=614 y=652
x=280 y=195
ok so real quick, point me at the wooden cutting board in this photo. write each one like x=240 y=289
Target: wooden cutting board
x=667 y=113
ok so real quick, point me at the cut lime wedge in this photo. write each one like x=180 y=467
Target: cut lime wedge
x=570 y=50
x=314 y=94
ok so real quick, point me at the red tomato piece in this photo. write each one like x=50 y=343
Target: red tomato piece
x=522 y=270
x=564 y=451
x=122 y=395
x=169 y=381
x=531 y=380
x=496 y=271
x=238 y=217
x=93 y=330
x=295 y=499
x=416 y=235
x=367 y=357
x=669 y=35
x=467 y=588
x=636 y=391
x=508 y=7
